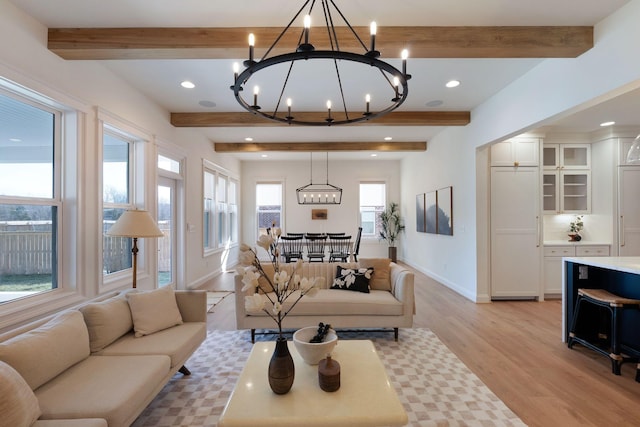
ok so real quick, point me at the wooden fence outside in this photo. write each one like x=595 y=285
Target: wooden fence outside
x=29 y=252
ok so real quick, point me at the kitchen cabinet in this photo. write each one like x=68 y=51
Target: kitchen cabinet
x=566 y=178
x=515 y=233
x=628 y=209
x=516 y=152
x=553 y=262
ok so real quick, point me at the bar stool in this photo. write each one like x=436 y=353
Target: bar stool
x=615 y=304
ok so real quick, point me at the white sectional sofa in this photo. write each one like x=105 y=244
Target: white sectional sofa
x=389 y=303
x=102 y=363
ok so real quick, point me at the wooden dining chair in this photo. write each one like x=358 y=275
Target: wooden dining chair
x=356 y=245
x=339 y=248
x=292 y=247
x=315 y=247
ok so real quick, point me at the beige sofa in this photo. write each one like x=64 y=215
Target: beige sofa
x=389 y=304
x=99 y=364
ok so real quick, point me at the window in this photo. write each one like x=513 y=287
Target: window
x=116 y=197
x=372 y=203
x=268 y=205
x=30 y=199
x=220 y=209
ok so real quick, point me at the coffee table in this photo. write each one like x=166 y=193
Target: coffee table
x=365 y=398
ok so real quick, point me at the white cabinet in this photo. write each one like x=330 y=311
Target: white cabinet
x=566 y=180
x=629 y=211
x=515 y=233
x=553 y=263
x=566 y=156
x=516 y=152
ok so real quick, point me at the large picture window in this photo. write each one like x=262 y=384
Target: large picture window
x=117 y=153
x=268 y=205
x=30 y=200
x=220 y=208
x=372 y=203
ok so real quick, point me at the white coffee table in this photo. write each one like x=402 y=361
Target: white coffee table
x=365 y=398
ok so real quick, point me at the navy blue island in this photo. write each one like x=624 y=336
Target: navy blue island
x=618 y=275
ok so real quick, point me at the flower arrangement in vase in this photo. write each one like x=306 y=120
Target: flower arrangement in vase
x=280 y=287
x=575 y=227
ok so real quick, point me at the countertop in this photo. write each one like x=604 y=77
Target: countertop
x=627 y=264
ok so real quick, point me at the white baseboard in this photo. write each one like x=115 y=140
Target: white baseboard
x=451 y=285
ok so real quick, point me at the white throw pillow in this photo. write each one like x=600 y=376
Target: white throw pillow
x=19 y=406
x=44 y=352
x=153 y=311
x=107 y=321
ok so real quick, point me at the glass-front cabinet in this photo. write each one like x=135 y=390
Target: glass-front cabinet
x=566 y=180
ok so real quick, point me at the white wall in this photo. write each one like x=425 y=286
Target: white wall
x=342 y=173
x=554 y=89
x=89 y=86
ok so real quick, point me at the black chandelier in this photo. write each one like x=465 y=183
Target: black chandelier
x=305 y=51
x=319 y=194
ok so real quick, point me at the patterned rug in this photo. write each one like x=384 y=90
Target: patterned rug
x=434 y=386
x=214 y=298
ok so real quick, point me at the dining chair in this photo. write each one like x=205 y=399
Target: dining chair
x=339 y=248
x=292 y=247
x=315 y=247
x=356 y=245
x=335 y=234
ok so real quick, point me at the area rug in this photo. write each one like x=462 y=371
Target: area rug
x=214 y=298
x=434 y=386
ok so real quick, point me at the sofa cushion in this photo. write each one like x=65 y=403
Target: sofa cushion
x=18 y=405
x=352 y=279
x=178 y=343
x=107 y=321
x=336 y=302
x=381 y=277
x=116 y=388
x=44 y=352
x=153 y=311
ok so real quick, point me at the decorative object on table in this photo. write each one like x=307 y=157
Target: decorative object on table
x=322 y=333
x=575 y=227
x=311 y=352
x=279 y=288
x=136 y=224
x=331 y=69
x=392 y=226
x=329 y=374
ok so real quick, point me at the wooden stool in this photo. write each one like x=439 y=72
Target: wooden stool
x=615 y=304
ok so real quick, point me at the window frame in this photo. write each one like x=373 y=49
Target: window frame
x=210 y=228
x=279 y=182
x=376 y=230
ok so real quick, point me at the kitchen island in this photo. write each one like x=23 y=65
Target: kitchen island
x=618 y=275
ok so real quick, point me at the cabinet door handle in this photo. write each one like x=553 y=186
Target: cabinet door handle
x=537 y=231
x=621 y=230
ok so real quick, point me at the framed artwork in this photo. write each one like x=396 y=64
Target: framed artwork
x=431 y=212
x=319 y=214
x=445 y=211
x=421 y=220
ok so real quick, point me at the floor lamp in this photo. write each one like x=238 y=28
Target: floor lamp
x=135 y=224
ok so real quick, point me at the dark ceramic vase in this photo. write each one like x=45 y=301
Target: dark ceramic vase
x=281 y=368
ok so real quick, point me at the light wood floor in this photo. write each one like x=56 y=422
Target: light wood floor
x=514 y=347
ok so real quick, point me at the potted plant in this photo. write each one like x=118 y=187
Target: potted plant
x=575 y=227
x=392 y=226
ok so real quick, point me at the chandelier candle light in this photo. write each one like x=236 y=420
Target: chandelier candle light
x=343 y=64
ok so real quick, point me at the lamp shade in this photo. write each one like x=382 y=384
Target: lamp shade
x=135 y=223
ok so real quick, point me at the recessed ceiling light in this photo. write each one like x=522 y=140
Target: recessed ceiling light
x=248 y=139
x=264 y=155
x=187 y=84
x=607 y=124
x=453 y=83
x=374 y=155
x=434 y=103
x=388 y=138
x=15 y=140
x=208 y=104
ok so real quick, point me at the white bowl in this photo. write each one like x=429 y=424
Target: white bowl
x=313 y=353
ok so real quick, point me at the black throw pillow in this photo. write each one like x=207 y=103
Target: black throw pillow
x=352 y=279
